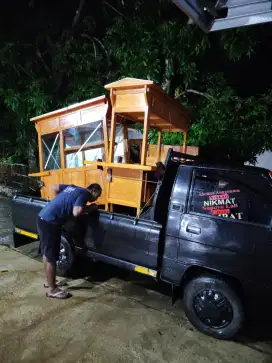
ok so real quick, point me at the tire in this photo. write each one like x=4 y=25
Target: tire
x=213 y=307
x=66 y=263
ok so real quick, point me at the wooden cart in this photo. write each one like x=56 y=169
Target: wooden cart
x=91 y=142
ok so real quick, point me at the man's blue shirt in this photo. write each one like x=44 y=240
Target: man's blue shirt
x=61 y=207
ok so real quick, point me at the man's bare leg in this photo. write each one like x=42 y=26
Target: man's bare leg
x=50 y=274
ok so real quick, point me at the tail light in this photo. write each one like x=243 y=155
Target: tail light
x=270 y=174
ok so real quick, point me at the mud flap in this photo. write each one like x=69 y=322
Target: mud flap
x=175 y=293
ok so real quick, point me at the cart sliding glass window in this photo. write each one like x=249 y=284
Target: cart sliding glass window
x=85 y=142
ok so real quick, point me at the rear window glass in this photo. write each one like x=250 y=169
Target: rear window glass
x=222 y=194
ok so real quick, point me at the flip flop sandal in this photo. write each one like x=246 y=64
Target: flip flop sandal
x=58 y=284
x=61 y=295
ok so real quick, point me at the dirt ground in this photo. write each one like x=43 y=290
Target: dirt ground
x=113 y=319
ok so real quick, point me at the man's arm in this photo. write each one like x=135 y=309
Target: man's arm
x=78 y=211
x=80 y=204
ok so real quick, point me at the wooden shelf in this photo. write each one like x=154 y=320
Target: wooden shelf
x=120 y=166
x=74 y=149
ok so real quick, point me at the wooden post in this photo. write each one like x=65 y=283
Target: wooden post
x=40 y=151
x=126 y=145
x=62 y=157
x=106 y=138
x=159 y=146
x=111 y=154
x=185 y=143
x=112 y=136
x=145 y=137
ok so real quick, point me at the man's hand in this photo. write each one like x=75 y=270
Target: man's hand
x=91 y=208
x=79 y=211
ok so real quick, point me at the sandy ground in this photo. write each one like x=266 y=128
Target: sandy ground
x=113 y=320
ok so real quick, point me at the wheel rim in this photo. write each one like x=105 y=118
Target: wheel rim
x=63 y=257
x=213 y=309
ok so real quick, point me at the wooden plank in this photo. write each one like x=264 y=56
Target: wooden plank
x=127 y=173
x=185 y=143
x=122 y=166
x=159 y=146
x=49 y=126
x=99 y=177
x=62 y=157
x=106 y=138
x=130 y=110
x=145 y=137
x=112 y=135
x=74 y=149
x=127 y=191
x=126 y=146
x=69 y=120
x=122 y=202
x=73 y=177
x=130 y=101
x=72 y=108
x=44 y=173
x=40 y=151
x=129 y=82
x=92 y=115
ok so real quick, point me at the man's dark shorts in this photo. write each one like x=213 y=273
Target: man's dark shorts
x=50 y=236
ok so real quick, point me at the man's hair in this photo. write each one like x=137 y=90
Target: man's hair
x=95 y=190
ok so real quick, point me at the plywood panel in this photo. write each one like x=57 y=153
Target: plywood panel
x=125 y=192
x=127 y=173
x=49 y=126
x=97 y=176
x=75 y=177
x=69 y=120
x=92 y=115
x=126 y=102
x=49 y=181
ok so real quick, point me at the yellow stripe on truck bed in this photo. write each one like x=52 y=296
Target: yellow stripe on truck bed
x=25 y=233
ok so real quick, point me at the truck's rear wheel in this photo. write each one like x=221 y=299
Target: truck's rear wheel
x=213 y=307
x=66 y=262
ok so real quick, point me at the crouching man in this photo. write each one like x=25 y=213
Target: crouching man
x=70 y=201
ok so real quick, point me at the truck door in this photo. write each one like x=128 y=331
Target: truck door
x=124 y=238
x=227 y=225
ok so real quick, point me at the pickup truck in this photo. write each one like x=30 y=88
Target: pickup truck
x=208 y=234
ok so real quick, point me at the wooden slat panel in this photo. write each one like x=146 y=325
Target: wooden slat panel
x=49 y=126
x=129 y=102
x=99 y=177
x=43 y=173
x=127 y=173
x=92 y=115
x=49 y=181
x=124 y=191
x=69 y=120
x=120 y=166
x=74 y=177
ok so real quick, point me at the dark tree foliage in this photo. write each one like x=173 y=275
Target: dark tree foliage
x=54 y=53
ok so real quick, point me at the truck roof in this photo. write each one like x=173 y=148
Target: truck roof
x=228 y=166
x=199 y=161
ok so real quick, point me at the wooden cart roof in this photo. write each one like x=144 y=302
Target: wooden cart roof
x=131 y=96
x=102 y=100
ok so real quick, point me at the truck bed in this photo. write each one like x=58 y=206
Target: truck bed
x=117 y=236
x=25 y=210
